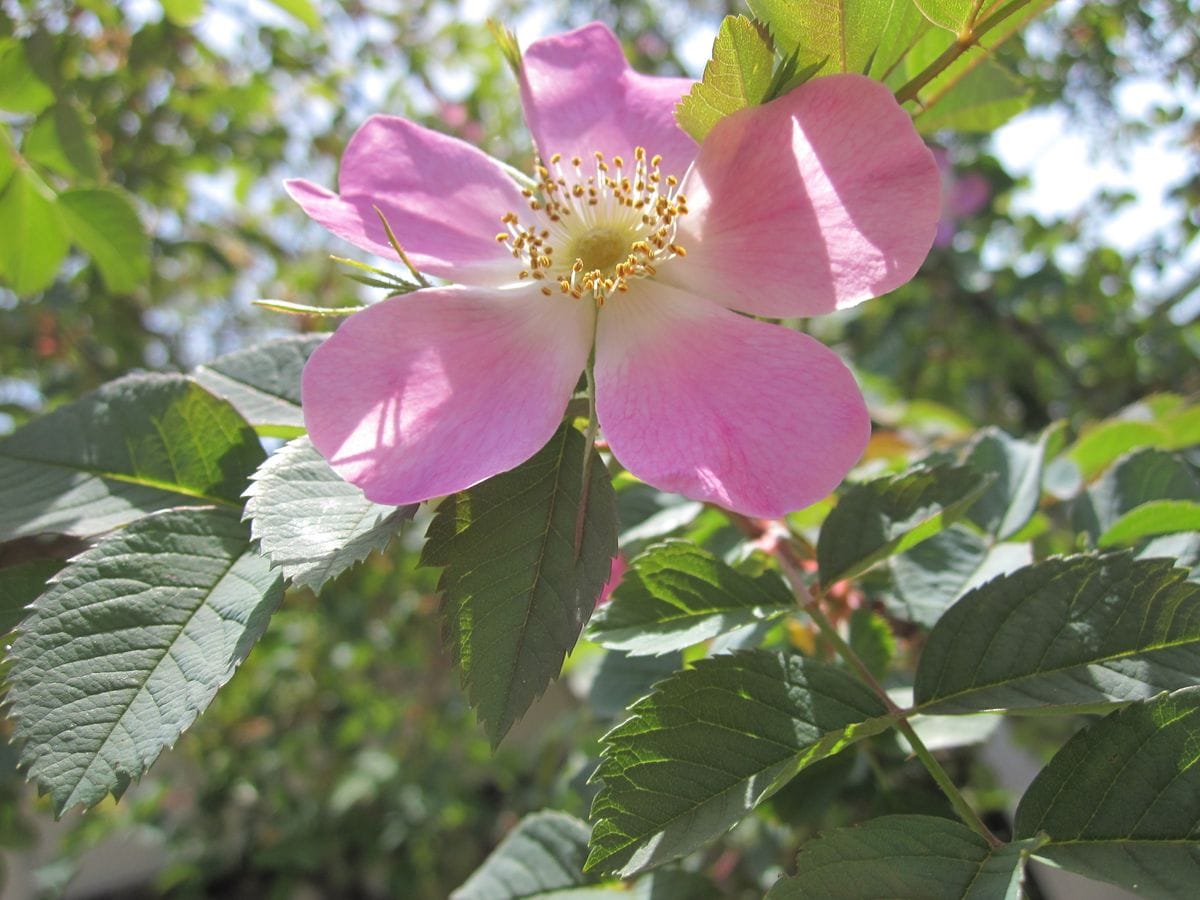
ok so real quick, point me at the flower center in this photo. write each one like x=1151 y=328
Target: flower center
x=592 y=232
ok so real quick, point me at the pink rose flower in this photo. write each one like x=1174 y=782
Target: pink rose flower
x=636 y=245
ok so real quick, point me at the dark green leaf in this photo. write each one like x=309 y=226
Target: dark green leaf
x=21 y=91
x=1075 y=632
x=19 y=586
x=711 y=743
x=310 y=522
x=140 y=443
x=129 y=645
x=871 y=638
x=263 y=382
x=675 y=595
x=104 y=222
x=544 y=853
x=932 y=575
x=881 y=518
x=1140 y=478
x=1008 y=505
x=620 y=679
x=737 y=76
x=906 y=856
x=35 y=240
x=1121 y=801
x=523 y=571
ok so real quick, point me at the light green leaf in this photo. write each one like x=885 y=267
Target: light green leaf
x=1121 y=801
x=20 y=586
x=737 y=76
x=1083 y=631
x=8 y=158
x=676 y=594
x=982 y=100
x=871 y=638
x=711 y=743
x=1153 y=518
x=865 y=36
x=953 y=15
x=263 y=383
x=103 y=222
x=311 y=523
x=543 y=854
x=1102 y=444
x=35 y=239
x=523 y=571
x=129 y=645
x=906 y=856
x=304 y=10
x=931 y=576
x=140 y=443
x=183 y=12
x=62 y=141
x=1138 y=479
x=1008 y=505
x=890 y=515
x=21 y=91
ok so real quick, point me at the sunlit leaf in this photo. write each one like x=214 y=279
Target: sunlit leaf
x=183 y=12
x=676 y=594
x=906 y=856
x=140 y=443
x=712 y=742
x=880 y=518
x=523 y=570
x=21 y=91
x=129 y=645
x=309 y=521
x=35 y=239
x=1153 y=518
x=1083 y=631
x=737 y=76
x=303 y=10
x=982 y=100
x=1121 y=801
x=104 y=222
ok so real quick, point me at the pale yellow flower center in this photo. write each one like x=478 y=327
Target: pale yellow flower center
x=592 y=233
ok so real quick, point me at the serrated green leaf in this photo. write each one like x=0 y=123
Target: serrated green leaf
x=303 y=10
x=1121 y=801
x=263 y=383
x=737 y=76
x=1008 y=505
x=35 y=241
x=1153 y=518
x=1083 y=631
x=310 y=522
x=982 y=100
x=522 y=573
x=21 y=91
x=712 y=742
x=543 y=854
x=1137 y=479
x=676 y=594
x=141 y=443
x=20 y=586
x=866 y=36
x=931 y=576
x=906 y=856
x=182 y=12
x=890 y=515
x=129 y=644
x=104 y=222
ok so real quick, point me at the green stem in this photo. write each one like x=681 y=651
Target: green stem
x=589 y=444
x=966 y=39
x=812 y=606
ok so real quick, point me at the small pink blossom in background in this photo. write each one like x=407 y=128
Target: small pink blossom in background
x=617 y=568
x=963 y=195
x=638 y=245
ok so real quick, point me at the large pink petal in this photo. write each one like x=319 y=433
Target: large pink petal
x=442 y=197
x=704 y=402
x=816 y=201
x=581 y=96
x=428 y=393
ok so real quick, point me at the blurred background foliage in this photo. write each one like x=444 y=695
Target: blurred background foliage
x=142 y=150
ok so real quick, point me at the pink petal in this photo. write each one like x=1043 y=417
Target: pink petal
x=581 y=96
x=442 y=197
x=816 y=201
x=698 y=400
x=431 y=392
